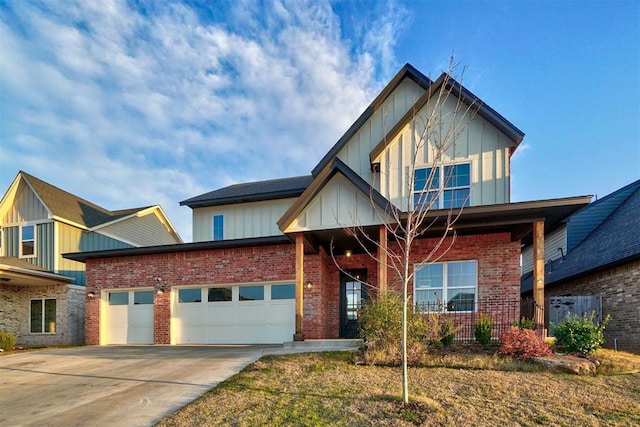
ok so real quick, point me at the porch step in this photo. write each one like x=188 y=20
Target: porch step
x=333 y=344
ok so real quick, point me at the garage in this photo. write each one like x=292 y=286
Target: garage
x=129 y=317
x=235 y=314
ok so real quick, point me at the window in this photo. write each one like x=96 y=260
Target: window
x=446 y=286
x=43 y=316
x=142 y=297
x=27 y=241
x=119 y=298
x=218 y=227
x=190 y=295
x=453 y=182
x=219 y=294
x=283 y=292
x=251 y=293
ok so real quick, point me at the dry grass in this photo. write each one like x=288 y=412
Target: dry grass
x=329 y=389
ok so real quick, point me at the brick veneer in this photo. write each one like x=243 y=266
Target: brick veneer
x=223 y=266
x=497 y=256
x=620 y=291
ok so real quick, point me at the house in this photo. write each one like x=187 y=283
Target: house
x=42 y=294
x=275 y=260
x=596 y=251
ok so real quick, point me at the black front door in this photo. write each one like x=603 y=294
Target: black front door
x=353 y=293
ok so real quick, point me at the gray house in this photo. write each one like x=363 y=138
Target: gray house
x=596 y=251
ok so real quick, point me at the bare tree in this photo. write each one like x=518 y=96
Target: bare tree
x=438 y=120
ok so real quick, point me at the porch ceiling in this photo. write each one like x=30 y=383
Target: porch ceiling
x=14 y=272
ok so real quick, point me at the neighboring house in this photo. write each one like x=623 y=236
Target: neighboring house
x=42 y=294
x=261 y=269
x=596 y=251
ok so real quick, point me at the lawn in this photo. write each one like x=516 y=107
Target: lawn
x=456 y=389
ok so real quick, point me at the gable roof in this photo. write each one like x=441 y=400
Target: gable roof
x=583 y=223
x=252 y=192
x=459 y=92
x=407 y=71
x=336 y=166
x=69 y=208
x=614 y=241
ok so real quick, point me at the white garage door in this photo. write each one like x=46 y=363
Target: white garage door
x=238 y=314
x=130 y=317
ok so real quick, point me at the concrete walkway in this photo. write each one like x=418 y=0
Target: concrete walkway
x=118 y=385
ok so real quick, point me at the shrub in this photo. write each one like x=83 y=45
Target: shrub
x=7 y=341
x=447 y=331
x=482 y=329
x=579 y=334
x=525 y=323
x=522 y=343
x=380 y=323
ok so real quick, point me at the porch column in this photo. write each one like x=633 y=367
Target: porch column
x=299 y=335
x=382 y=259
x=538 y=270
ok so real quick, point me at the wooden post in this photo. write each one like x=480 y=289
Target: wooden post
x=538 y=271
x=382 y=260
x=299 y=334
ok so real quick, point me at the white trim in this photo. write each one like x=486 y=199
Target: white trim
x=56 y=247
x=35 y=241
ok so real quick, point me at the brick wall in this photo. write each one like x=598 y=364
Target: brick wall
x=620 y=291
x=220 y=266
x=15 y=306
x=498 y=265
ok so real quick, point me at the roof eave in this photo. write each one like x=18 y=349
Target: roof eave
x=181 y=247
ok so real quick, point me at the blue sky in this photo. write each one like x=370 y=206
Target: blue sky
x=136 y=103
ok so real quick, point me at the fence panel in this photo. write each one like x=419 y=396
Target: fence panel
x=559 y=307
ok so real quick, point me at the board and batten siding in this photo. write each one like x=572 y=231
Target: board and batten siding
x=355 y=153
x=480 y=144
x=242 y=220
x=26 y=207
x=338 y=204
x=44 y=244
x=72 y=239
x=552 y=241
x=145 y=230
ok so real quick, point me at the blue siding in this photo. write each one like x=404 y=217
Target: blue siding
x=11 y=243
x=93 y=241
x=44 y=244
x=79 y=276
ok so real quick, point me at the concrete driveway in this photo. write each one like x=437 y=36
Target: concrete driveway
x=114 y=385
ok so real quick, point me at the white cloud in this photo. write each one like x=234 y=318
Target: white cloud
x=129 y=107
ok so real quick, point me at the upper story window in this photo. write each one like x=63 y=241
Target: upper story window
x=446 y=286
x=218 y=227
x=27 y=241
x=442 y=187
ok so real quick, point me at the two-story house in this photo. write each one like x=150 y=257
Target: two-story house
x=277 y=260
x=42 y=294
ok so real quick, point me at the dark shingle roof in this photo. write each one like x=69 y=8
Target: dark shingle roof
x=73 y=208
x=615 y=240
x=252 y=192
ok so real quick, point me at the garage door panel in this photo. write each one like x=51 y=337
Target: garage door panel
x=251 y=314
x=190 y=314
x=220 y=315
x=130 y=317
x=282 y=312
x=236 y=314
